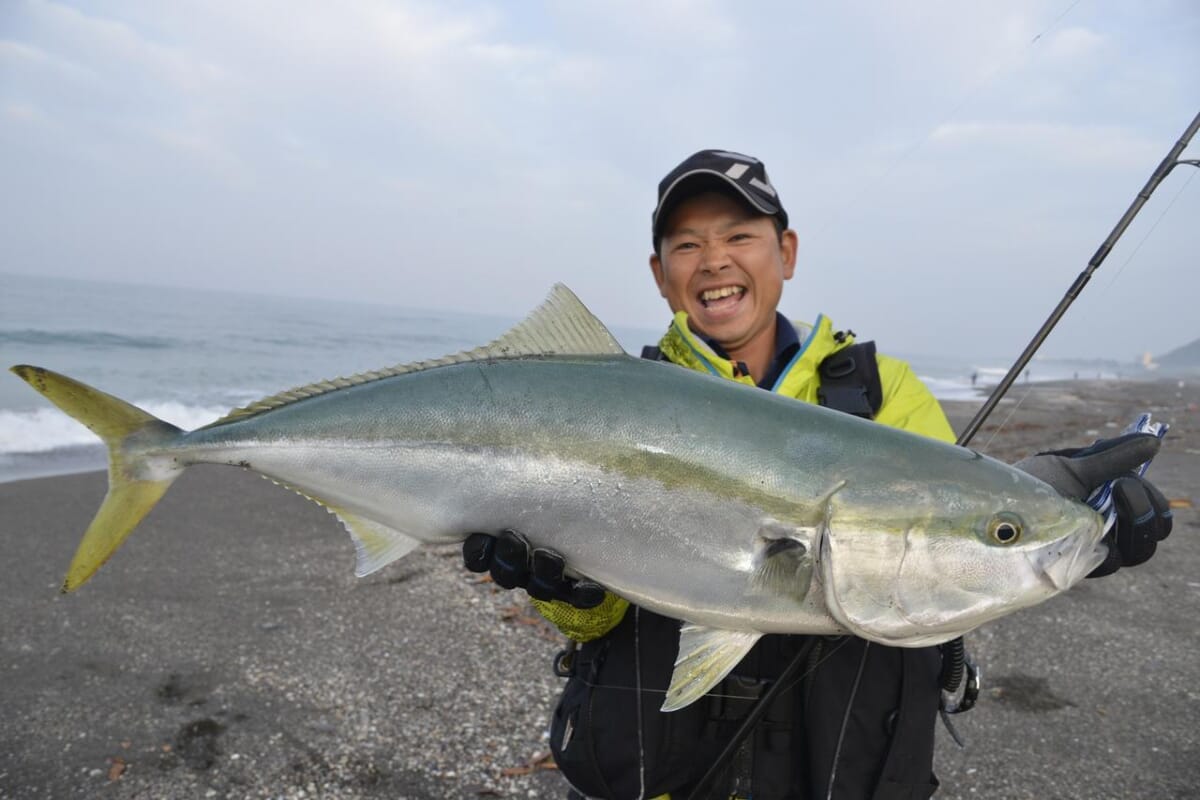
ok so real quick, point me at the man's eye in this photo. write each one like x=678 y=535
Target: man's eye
x=686 y=246
x=737 y=237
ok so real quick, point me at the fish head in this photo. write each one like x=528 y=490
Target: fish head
x=927 y=560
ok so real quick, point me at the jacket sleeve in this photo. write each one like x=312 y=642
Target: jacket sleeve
x=583 y=624
x=908 y=404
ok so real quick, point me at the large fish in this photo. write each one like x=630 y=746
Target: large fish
x=736 y=510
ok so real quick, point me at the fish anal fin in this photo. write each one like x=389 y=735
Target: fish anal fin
x=706 y=655
x=375 y=544
x=784 y=560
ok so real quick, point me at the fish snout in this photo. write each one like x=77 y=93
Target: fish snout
x=1066 y=561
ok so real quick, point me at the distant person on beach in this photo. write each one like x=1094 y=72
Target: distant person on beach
x=860 y=722
x=974 y=377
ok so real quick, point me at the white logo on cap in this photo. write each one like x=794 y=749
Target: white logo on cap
x=737 y=170
x=762 y=187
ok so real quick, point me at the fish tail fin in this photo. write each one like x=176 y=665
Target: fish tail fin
x=137 y=479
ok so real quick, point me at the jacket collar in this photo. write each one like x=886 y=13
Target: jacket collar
x=798 y=378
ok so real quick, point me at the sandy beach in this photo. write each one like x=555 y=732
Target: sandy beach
x=227 y=650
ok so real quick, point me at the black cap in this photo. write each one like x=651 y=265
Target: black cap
x=717 y=169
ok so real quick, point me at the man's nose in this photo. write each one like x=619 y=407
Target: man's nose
x=715 y=257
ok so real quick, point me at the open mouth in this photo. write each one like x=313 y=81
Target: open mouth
x=722 y=298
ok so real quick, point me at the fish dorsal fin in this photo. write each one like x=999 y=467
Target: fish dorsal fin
x=706 y=655
x=560 y=326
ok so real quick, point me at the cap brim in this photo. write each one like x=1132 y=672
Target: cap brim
x=674 y=194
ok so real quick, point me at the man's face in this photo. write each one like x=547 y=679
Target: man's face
x=725 y=267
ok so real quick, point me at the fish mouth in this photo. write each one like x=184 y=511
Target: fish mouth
x=1066 y=561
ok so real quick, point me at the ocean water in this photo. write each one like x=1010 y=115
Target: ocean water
x=188 y=355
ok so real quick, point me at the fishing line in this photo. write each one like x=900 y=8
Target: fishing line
x=1056 y=20
x=637 y=671
x=1164 y=168
x=837 y=751
x=1109 y=286
x=1000 y=427
x=1121 y=269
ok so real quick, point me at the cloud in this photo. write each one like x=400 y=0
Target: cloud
x=118 y=51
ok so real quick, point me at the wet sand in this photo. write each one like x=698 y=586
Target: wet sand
x=228 y=650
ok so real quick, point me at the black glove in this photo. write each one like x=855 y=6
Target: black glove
x=1143 y=514
x=512 y=563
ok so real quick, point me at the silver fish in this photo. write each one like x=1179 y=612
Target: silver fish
x=734 y=509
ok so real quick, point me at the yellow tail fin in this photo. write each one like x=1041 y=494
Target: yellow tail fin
x=137 y=479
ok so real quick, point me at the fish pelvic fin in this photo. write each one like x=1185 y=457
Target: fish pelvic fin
x=136 y=479
x=706 y=656
x=560 y=326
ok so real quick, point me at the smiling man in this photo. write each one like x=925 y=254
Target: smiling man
x=728 y=259
x=727 y=273
x=722 y=252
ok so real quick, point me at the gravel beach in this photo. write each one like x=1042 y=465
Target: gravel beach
x=227 y=651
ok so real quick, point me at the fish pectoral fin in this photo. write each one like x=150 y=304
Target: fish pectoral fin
x=783 y=561
x=375 y=544
x=706 y=655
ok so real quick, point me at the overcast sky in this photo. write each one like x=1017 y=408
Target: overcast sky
x=950 y=167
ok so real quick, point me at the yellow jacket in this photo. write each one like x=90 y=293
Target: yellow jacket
x=907 y=404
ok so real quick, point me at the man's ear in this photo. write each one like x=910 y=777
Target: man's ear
x=656 y=266
x=789 y=244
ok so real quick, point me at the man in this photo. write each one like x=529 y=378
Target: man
x=860 y=722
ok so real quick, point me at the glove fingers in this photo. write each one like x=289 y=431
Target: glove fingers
x=477 y=551
x=1112 y=562
x=510 y=561
x=1106 y=460
x=1162 y=508
x=586 y=594
x=546 y=581
x=1138 y=522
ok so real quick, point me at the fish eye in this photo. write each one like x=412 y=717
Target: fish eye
x=1005 y=528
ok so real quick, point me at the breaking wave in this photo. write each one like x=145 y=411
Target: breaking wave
x=45 y=429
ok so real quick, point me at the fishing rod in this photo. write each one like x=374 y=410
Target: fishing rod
x=954 y=652
x=1169 y=163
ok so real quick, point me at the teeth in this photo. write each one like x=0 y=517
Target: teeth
x=717 y=294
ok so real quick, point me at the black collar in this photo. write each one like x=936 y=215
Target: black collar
x=787 y=342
